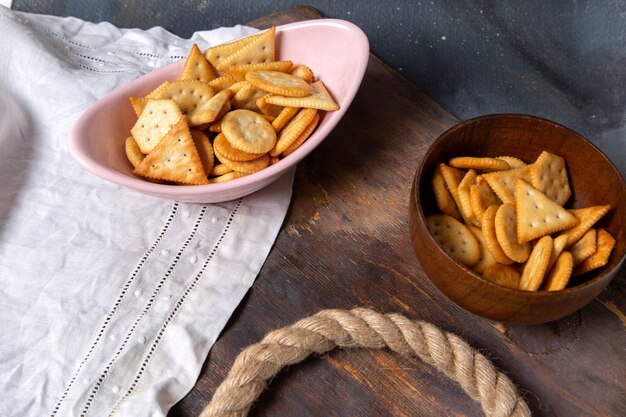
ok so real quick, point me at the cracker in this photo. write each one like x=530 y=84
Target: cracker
x=274 y=160
x=486 y=259
x=277 y=82
x=503 y=182
x=560 y=273
x=285 y=115
x=246 y=97
x=513 y=161
x=216 y=127
x=197 y=67
x=549 y=175
x=587 y=216
x=175 y=158
x=452 y=177
x=218 y=54
x=319 y=99
x=488 y=227
x=220 y=169
x=585 y=247
x=485 y=164
x=226 y=177
x=204 y=148
x=302 y=137
x=503 y=275
x=269 y=109
x=188 y=94
x=222 y=146
x=138 y=104
x=604 y=246
x=455 y=238
x=240 y=71
x=304 y=72
x=133 y=153
x=294 y=128
x=208 y=111
x=463 y=192
x=260 y=48
x=248 y=131
x=443 y=197
x=506 y=233
x=156 y=119
x=537 y=215
x=223 y=82
x=537 y=265
x=244 y=167
x=481 y=197
x=558 y=247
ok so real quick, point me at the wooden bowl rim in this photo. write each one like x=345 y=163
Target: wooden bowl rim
x=536 y=294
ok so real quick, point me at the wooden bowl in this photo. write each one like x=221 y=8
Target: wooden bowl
x=594 y=181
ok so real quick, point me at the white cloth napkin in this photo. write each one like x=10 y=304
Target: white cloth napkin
x=109 y=300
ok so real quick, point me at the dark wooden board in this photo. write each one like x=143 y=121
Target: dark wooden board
x=345 y=243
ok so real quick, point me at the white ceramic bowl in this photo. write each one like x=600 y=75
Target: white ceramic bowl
x=337 y=51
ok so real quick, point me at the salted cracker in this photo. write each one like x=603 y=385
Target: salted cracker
x=479 y=163
x=189 y=95
x=537 y=214
x=247 y=96
x=220 y=169
x=486 y=259
x=280 y=83
x=585 y=247
x=156 y=119
x=548 y=174
x=133 y=153
x=304 y=72
x=588 y=216
x=197 y=67
x=244 y=167
x=240 y=71
x=506 y=233
x=302 y=137
x=488 y=227
x=559 y=275
x=223 y=82
x=503 y=182
x=285 y=115
x=481 y=197
x=216 y=55
x=229 y=176
x=293 y=130
x=319 y=99
x=223 y=147
x=536 y=267
x=209 y=111
x=248 y=131
x=604 y=246
x=205 y=150
x=455 y=238
x=503 y=275
x=260 y=48
x=175 y=158
x=463 y=192
x=443 y=197
x=513 y=161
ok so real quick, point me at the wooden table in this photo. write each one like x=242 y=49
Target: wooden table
x=345 y=243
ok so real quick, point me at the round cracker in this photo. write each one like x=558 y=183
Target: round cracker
x=293 y=130
x=560 y=273
x=455 y=238
x=303 y=136
x=220 y=169
x=506 y=233
x=537 y=265
x=205 y=150
x=245 y=167
x=248 y=131
x=280 y=83
x=226 y=177
x=486 y=259
x=484 y=164
x=133 y=153
x=221 y=144
x=489 y=234
x=502 y=275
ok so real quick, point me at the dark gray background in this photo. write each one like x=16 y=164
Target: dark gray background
x=562 y=60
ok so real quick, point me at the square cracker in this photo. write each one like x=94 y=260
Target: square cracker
x=503 y=182
x=175 y=158
x=156 y=119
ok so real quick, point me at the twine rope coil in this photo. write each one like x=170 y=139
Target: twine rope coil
x=364 y=328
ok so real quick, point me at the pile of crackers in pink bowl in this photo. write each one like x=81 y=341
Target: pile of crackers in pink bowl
x=229 y=120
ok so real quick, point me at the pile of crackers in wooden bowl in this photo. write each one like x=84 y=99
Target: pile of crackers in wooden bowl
x=517 y=218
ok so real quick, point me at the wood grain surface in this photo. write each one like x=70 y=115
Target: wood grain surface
x=345 y=243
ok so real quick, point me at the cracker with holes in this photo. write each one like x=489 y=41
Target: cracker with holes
x=549 y=175
x=488 y=227
x=222 y=146
x=560 y=273
x=443 y=197
x=189 y=95
x=585 y=247
x=175 y=158
x=587 y=216
x=259 y=48
x=481 y=197
x=245 y=167
x=463 y=192
x=210 y=110
x=318 y=99
x=248 y=131
x=455 y=238
x=486 y=259
x=220 y=55
x=504 y=275
x=280 y=83
x=205 y=150
x=513 y=161
x=197 y=67
x=156 y=119
x=506 y=232
x=537 y=214
x=240 y=71
x=503 y=182
x=247 y=96
x=290 y=133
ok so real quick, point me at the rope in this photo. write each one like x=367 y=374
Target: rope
x=363 y=328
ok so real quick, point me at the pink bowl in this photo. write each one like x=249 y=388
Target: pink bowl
x=337 y=51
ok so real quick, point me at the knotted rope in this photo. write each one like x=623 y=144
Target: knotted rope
x=363 y=328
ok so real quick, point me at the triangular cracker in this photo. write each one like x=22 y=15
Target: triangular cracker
x=262 y=48
x=197 y=67
x=156 y=119
x=209 y=110
x=216 y=54
x=538 y=215
x=503 y=182
x=549 y=175
x=175 y=158
x=319 y=99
